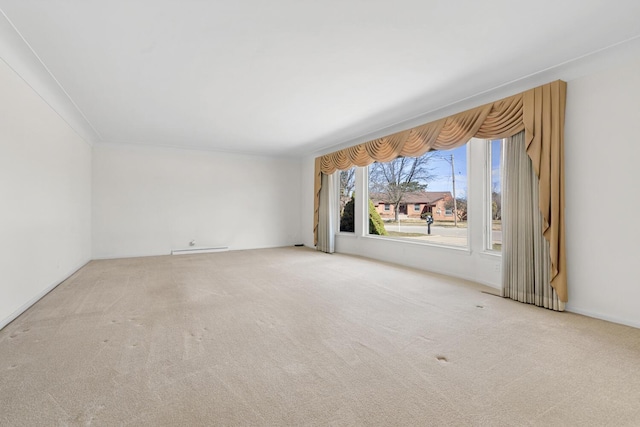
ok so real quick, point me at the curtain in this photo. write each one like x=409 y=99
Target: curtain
x=317 y=185
x=327 y=215
x=539 y=112
x=497 y=120
x=526 y=266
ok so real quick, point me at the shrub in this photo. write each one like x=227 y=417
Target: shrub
x=376 y=226
x=347 y=222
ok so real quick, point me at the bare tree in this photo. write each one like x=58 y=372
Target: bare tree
x=400 y=176
x=496 y=202
x=459 y=209
x=347 y=184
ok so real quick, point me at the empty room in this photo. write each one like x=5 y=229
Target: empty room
x=319 y=213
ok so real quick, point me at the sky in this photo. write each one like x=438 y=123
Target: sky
x=441 y=169
x=496 y=158
x=441 y=164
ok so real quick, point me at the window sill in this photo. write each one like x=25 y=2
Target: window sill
x=458 y=249
x=491 y=254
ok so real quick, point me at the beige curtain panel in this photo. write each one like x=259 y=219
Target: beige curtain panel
x=526 y=260
x=328 y=207
x=539 y=112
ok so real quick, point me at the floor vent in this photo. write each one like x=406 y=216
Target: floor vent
x=199 y=250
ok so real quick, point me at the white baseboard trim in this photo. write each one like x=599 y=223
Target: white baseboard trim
x=596 y=315
x=13 y=316
x=126 y=255
x=150 y=254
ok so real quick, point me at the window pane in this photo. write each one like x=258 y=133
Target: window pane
x=346 y=203
x=413 y=197
x=495 y=198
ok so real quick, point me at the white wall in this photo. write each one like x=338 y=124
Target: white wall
x=149 y=201
x=602 y=152
x=45 y=197
x=602 y=180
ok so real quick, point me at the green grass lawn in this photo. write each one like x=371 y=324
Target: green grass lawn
x=461 y=224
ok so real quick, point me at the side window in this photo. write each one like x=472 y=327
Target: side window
x=346 y=204
x=494 y=195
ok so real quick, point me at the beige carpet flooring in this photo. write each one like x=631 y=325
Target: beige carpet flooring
x=294 y=337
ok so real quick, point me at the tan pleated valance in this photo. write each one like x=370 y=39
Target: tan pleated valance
x=539 y=112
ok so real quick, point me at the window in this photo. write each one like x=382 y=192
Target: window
x=494 y=195
x=346 y=205
x=435 y=184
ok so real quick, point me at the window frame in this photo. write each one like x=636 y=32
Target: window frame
x=488 y=194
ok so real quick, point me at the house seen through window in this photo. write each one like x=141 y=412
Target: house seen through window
x=408 y=192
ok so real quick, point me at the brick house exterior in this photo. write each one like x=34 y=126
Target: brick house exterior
x=415 y=205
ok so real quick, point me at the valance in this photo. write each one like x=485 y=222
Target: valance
x=539 y=112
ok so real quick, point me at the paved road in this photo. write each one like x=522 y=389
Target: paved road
x=437 y=230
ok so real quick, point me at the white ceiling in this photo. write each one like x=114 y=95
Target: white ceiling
x=290 y=76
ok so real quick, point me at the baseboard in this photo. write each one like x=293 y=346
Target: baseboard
x=127 y=255
x=596 y=315
x=216 y=249
x=13 y=316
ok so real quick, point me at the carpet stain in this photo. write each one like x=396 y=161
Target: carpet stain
x=479 y=306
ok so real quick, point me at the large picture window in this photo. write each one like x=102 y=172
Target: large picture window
x=538 y=113
x=423 y=199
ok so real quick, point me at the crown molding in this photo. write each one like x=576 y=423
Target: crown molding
x=593 y=62
x=16 y=52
